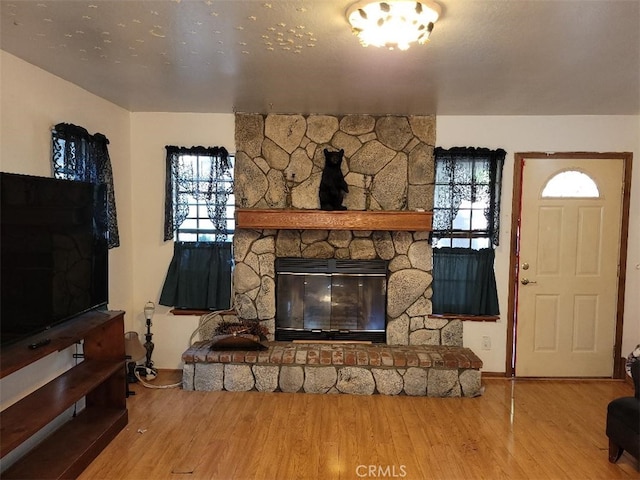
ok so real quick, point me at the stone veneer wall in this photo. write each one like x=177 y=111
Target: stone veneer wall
x=388 y=165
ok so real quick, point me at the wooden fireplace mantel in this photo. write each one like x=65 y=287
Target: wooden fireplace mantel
x=293 y=219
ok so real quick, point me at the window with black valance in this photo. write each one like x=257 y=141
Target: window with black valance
x=78 y=155
x=468 y=183
x=199 y=207
x=466 y=228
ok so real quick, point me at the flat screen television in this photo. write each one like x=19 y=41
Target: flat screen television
x=53 y=252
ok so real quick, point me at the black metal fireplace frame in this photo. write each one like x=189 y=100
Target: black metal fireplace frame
x=338 y=267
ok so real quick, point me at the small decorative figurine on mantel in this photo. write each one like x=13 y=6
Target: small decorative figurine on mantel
x=289 y=184
x=367 y=179
x=332 y=184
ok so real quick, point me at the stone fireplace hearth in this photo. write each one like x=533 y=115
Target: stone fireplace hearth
x=415 y=370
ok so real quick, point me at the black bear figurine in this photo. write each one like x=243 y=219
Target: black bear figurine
x=332 y=184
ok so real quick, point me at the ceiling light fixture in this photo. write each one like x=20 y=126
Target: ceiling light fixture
x=393 y=23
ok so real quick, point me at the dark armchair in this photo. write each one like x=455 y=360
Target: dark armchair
x=623 y=422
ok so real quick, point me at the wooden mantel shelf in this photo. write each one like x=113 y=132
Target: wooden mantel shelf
x=292 y=219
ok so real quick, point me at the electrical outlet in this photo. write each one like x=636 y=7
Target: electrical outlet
x=486 y=342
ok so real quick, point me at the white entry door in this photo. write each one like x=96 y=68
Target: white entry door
x=567 y=274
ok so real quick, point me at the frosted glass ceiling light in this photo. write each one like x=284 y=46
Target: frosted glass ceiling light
x=393 y=23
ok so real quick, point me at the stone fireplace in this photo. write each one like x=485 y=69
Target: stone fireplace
x=388 y=165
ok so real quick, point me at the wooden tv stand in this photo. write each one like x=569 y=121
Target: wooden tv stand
x=100 y=377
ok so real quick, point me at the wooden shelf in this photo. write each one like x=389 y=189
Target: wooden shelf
x=58 y=395
x=384 y=220
x=71 y=448
x=18 y=355
x=99 y=378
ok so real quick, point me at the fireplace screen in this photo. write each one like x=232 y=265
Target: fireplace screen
x=330 y=299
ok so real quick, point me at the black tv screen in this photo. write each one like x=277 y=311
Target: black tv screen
x=54 y=256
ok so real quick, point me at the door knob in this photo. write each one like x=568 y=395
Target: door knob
x=526 y=281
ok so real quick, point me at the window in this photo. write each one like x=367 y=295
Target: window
x=207 y=201
x=571 y=184
x=466 y=217
x=199 y=194
x=466 y=210
x=199 y=207
x=78 y=155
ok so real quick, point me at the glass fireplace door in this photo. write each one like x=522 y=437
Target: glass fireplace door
x=317 y=299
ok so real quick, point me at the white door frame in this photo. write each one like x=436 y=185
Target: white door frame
x=520 y=158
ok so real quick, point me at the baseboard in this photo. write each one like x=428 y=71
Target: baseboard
x=494 y=374
x=169 y=375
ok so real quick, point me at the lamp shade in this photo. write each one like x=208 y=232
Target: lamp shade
x=133 y=347
x=149 y=310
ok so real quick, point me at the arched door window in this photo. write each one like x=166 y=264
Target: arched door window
x=571 y=183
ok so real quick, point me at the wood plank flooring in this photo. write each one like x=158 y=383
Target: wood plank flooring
x=525 y=429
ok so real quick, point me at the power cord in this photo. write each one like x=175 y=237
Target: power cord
x=202 y=322
x=150 y=385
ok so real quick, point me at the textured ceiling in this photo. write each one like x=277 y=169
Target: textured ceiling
x=502 y=57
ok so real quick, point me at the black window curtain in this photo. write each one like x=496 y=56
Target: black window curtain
x=464 y=282
x=467 y=173
x=78 y=155
x=181 y=181
x=199 y=276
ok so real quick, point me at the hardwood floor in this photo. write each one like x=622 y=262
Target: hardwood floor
x=525 y=429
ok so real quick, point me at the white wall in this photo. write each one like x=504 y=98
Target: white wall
x=544 y=134
x=150 y=133
x=515 y=134
x=31 y=102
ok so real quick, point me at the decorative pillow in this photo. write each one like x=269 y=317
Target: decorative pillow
x=240 y=341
